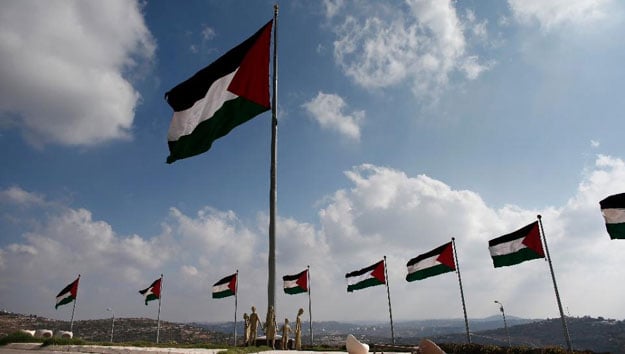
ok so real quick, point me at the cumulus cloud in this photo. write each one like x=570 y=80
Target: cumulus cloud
x=64 y=66
x=384 y=212
x=328 y=111
x=21 y=197
x=421 y=43
x=557 y=13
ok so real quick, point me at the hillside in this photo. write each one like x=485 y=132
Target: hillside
x=587 y=333
x=593 y=334
x=126 y=329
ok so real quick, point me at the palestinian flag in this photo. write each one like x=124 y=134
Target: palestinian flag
x=295 y=284
x=225 y=287
x=613 y=210
x=228 y=92
x=152 y=292
x=435 y=262
x=520 y=246
x=68 y=294
x=371 y=276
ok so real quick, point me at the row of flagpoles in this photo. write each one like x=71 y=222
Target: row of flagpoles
x=524 y=244
x=201 y=117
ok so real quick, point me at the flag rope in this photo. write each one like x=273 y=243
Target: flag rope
x=464 y=307
x=236 y=293
x=158 y=316
x=388 y=293
x=309 y=306
x=567 y=337
x=71 y=322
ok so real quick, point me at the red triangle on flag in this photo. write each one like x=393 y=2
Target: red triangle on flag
x=532 y=240
x=378 y=272
x=232 y=285
x=302 y=281
x=447 y=257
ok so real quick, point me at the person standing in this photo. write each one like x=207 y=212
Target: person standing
x=298 y=330
x=253 y=326
x=270 y=328
x=246 y=329
x=286 y=330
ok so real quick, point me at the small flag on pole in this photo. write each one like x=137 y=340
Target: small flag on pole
x=366 y=277
x=229 y=92
x=152 y=292
x=437 y=261
x=68 y=294
x=295 y=284
x=519 y=246
x=225 y=287
x=613 y=210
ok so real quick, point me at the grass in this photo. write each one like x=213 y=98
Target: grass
x=19 y=337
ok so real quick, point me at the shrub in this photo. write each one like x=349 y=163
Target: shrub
x=19 y=337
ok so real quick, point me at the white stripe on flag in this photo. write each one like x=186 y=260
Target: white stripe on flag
x=185 y=121
x=221 y=287
x=424 y=264
x=614 y=216
x=290 y=284
x=358 y=278
x=507 y=247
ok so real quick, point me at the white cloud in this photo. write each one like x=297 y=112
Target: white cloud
x=328 y=111
x=208 y=33
x=385 y=212
x=63 y=67
x=422 y=43
x=19 y=196
x=332 y=7
x=556 y=13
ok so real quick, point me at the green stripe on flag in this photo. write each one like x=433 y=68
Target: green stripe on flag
x=233 y=113
x=524 y=254
x=364 y=284
x=616 y=231
x=428 y=272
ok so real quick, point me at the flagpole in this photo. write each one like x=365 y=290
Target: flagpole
x=309 y=306
x=271 y=284
x=158 y=317
x=464 y=307
x=388 y=293
x=236 y=293
x=71 y=322
x=555 y=287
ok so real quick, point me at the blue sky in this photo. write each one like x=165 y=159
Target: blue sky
x=401 y=124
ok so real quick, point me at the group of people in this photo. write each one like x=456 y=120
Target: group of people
x=251 y=323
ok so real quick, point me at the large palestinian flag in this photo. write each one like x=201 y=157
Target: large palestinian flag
x=225 y=287
x=438 y=261
x=68 y=294
x=228 y=92
x=613 y=210
x=152 y=292
x=519 y=246
x=370 y=276
x=295 y=284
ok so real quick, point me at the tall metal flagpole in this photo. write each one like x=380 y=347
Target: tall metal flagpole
x=71 y=322
x=158 y=317
x=464 y=307
x=309 y=307
x=555 y=287
x=388 y=293
x=236 y=293
x=271 y=284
